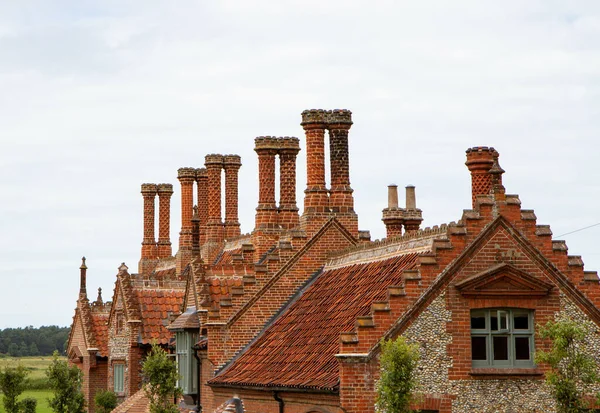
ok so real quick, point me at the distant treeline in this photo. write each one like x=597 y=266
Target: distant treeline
x=29 y=341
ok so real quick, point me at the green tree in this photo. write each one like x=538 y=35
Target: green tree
x=571 y=369
x=12 y=384
x=28 y=405
x=65 y=382
x=105 y=401
x=395 y=388
x=160 y=374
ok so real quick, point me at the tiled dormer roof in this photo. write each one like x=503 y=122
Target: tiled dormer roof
x=155 y=307
x=298 y=350
x=100 y=328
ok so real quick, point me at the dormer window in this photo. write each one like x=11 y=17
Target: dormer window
x=502 y=338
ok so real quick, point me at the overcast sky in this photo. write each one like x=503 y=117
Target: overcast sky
x=97 y=97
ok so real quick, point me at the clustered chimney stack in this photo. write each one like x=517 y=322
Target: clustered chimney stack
x=231 y=164
x=288 y=209
x=195 y=233
x=480 y=160
x=395 y=218
x=320 y=203
x=202 y=182
x=214 y=230
x=266 y=213
x=164 y=224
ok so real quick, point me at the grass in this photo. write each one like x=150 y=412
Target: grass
x=41 y=396
x=36 y=366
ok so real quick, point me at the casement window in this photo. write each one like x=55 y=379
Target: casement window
x=119 y=378
x=187 y=365
x=502 y=338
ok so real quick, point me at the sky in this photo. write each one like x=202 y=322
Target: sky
x=98 y=97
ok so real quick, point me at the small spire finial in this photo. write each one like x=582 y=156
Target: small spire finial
x=83 y=266
x=123 y=267
x=99 y=299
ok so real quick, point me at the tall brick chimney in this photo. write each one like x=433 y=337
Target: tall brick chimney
x=231 y=164
x=480 y=160
x=266 y=213
x=413 y=216
x=164 y=220
x=316 y=199
x=82 y=280
x=288 y=209
x=186 y=177
x=195 y=233
x=393 y=216
x=149 y=253
x=214 y=229
x=340 y=195
x=202 y=182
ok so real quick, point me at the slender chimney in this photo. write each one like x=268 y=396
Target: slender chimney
x=214 y=165
x=393 y=217
x=82 y=279
x=164 y=220
x=480 y=160
x=316 y=197
x=231 y=164
x=340 y=198
x=186 y=177
x=413 y=216
x=266 y=213
x=288 y=209
x=149 y=241
x=202 y=182
x=195 y=233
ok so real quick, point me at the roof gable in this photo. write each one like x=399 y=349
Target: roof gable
x=526 y=250
x=503 y=280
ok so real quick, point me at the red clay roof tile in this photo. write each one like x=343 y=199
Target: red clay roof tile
x=298 y=349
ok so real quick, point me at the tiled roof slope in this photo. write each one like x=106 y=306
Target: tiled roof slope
x=298 y=350
x=138 y=403
x=155 y=306
x=226 y=257
x=100 y=328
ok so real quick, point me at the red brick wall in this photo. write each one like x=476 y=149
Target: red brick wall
x=294 y=402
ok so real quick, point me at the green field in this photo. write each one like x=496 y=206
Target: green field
x=41 y=396
x=36 y=366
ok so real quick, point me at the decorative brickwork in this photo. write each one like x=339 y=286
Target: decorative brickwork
x=202 y=182
x=149 y=253
x=164 y=227
x=480 y=160
x=186 y=177
x=214 y=166
x=288 y=209
x=316 y=198
x=232 y=164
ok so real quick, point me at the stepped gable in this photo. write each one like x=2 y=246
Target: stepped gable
x=231 y=249
x=299 y=349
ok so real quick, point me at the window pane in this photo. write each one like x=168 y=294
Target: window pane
x=521 y=322
x=500 y=348
x=494 y=322
x=478 y=348
x=478 y=321
x=503 y=318
x=522 y=348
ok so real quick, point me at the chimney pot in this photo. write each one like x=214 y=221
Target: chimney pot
x=480 y=160
x=411 y=199
x=392 y=196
